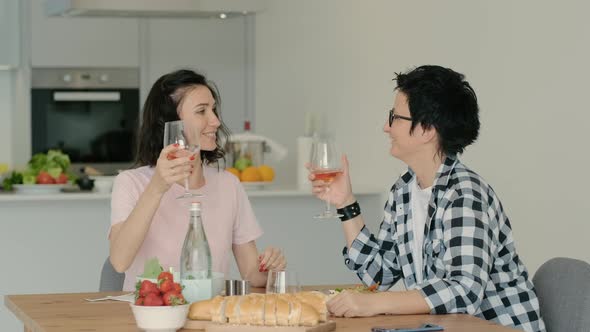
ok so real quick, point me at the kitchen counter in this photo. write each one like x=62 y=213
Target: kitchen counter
x=252 y=192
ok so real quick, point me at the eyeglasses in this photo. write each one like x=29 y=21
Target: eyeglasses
x=393 y=116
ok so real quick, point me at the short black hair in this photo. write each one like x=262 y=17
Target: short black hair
x=161 y=106
x=441 y=98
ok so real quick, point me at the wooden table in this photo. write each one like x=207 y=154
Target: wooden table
x=69 y=312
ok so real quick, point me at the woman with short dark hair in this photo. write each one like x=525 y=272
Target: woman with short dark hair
x=444 y=230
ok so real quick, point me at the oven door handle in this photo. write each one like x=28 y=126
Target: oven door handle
x=86 y=96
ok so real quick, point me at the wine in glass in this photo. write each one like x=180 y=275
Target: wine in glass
x=181 y=133
x=325 y=166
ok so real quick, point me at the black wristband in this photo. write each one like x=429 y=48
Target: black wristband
x=349 y=211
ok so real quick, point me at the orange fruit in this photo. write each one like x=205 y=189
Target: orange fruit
x=251 y=174
x=266 y=172
x=233 y=171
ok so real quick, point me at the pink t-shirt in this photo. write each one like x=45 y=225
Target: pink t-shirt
x=226 y=212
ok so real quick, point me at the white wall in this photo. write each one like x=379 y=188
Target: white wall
x=527 y=61
x=6 y=106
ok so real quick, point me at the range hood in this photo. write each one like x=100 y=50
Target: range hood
x=153 y=8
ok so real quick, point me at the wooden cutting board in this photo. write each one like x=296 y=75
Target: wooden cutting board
x=208 y=326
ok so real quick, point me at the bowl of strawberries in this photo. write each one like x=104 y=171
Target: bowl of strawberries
x=160 y=306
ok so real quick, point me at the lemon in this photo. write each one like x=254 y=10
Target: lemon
x=267 y=173
x=251 y=174
x=233 y=171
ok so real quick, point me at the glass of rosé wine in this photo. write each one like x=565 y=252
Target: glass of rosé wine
x=325 y=166
x=181 y=133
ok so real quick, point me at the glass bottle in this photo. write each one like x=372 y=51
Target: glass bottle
x=195 y=258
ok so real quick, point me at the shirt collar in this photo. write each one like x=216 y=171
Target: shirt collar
x=442 y=175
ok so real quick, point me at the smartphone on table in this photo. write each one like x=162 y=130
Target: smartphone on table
x=421 y=328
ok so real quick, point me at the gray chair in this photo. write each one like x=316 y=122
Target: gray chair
x=563 y=288
x=110 y=280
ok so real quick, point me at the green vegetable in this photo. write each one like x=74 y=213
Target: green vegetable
x=14 y=178
x=54 y=172
x=50 y=162
x=29 y=179
x=152 y=268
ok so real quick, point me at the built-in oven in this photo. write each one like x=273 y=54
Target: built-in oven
x=89 y=113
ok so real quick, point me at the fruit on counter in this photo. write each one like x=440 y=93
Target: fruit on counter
x=62 y=179
x=254 y=174
x=251 y=174
x=234 y=171
x=43 y=168
x=242 y=163
x=266 y=172
x=45 y=178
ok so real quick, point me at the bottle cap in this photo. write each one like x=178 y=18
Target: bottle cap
x=195 y=206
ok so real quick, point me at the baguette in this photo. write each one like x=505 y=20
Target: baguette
x=316 y=300
x=304 y=308
x=295 y=312
x=270 y=310
x=200 y=310
x=218 y=310
x=309 y=316
x=283 y=311
x=232 y=309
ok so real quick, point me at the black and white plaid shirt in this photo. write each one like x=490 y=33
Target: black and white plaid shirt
x=470 y=261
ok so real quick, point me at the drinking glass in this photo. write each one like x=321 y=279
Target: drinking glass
x=325 y=166
x=181 y=133
x=282 y=281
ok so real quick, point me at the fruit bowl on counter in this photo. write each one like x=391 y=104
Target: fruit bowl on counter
x=46 y=173
x=38 y=189
x=254 y=177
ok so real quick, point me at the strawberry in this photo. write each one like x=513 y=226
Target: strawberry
x=148 y=287
x=139 y=301
x=165 y=276
x=173 y=298
x=153 y=299
x=177 y=288
x=166 y=285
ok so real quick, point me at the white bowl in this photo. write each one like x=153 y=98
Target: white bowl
x=161 y=318
x=103 y=184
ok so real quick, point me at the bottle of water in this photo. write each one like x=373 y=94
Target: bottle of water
x=195 y=259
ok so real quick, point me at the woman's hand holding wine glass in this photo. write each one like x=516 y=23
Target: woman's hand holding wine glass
x=172 y=170
x=340 y=192
x=329 y=176
x=185 y=138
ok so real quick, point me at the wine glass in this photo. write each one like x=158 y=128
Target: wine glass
x=325 y=166
x=179 y=132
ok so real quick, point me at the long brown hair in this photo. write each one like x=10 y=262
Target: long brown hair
x=161 y=106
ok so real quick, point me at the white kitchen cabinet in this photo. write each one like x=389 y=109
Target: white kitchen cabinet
x=9 y=34
x=82 y=42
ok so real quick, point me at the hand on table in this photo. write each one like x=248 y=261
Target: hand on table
x=352 y=304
